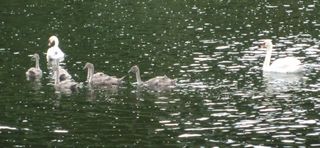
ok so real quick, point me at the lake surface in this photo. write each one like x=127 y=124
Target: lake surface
x=210 y=47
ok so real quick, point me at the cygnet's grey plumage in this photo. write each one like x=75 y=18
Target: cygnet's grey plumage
x=156 y=82
x=67 y=86
x=63 y=74
x=99 y=78
x=34 y=73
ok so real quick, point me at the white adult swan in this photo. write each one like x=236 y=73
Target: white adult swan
x=155 y=83
x=281 y=65
x=34 y=73
x=54 y=52
x=101 y=79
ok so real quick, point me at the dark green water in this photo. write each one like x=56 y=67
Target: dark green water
x=210 y=47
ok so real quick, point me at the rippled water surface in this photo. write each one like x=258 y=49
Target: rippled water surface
x=210 y=47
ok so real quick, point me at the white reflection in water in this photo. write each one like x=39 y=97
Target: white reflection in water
x=104 y=92
x=7 y=128
x=277 y=82
x=189 y=135
x=36 y=85
x=60 y=131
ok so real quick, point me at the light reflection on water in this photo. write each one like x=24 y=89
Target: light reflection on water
x=277 y=83
x=222 y=97
x=272 y=107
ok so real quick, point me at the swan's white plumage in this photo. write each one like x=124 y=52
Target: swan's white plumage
x=286 y=65
x=281 y=65
x=54 y=52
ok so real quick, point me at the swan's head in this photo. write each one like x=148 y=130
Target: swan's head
x=267 y=43
x=53 y=40
x=134 y=69
x=88 y=66
x=36 y=56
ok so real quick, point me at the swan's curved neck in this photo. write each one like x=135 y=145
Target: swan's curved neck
x=267 y=60
x=56 y=42
x=90 y=74
x=37 y=63
x=138 y=77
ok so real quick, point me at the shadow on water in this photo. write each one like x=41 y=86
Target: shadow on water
x=103 y=92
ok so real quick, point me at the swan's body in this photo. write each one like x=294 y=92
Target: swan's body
x=63 y=74
x=34 y=73
x=67 y=86
x=281 y=65
x=156 y=82
x=99 y=78
x=54 y=52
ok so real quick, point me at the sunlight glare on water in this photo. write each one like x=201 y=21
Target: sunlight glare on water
x=211 y=48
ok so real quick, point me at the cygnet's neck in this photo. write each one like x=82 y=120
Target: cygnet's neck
x=56 y=69
x=37 y=63
x=57 y=79
x=90 y=74
x=138 y=77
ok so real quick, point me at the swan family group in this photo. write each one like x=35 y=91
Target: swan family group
x=64 y=83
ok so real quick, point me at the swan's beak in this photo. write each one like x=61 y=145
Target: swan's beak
x=32 y=57
x=130 y=71
x=123 y=77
